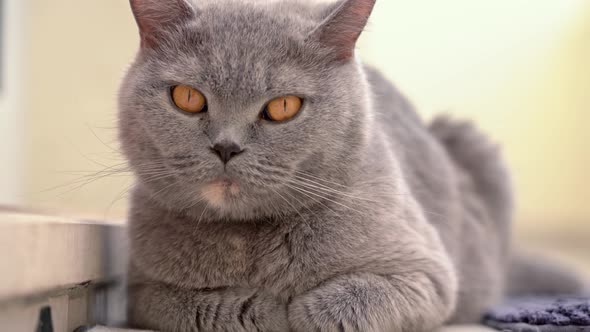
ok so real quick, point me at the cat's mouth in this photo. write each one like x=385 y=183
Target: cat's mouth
x=220 y=191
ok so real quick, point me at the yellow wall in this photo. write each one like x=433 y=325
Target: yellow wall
x=77 y=53
x=521 y=69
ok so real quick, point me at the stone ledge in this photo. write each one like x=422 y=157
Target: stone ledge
x=43 y=254
x=68 y=267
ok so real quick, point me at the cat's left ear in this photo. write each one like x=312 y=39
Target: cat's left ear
x=152 y=16
x=343 y=26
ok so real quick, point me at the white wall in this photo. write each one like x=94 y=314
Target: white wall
x=11 y=111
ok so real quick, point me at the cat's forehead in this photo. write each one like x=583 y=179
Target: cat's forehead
x=254 y=24
x=294 y=13
x=245 y=49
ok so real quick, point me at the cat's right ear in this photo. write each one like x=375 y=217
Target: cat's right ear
x=152 y=16
x=343 y=26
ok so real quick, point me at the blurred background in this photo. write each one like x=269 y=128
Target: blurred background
x=519 y=68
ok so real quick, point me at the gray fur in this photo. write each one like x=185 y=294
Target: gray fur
x=353 y=216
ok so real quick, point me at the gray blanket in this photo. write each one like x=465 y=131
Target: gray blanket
x=540 y=314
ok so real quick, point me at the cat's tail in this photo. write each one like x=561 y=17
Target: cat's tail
x=529 y=274
x=480 y=159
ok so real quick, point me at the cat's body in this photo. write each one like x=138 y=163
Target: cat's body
x=288 y=259
x=353 y=216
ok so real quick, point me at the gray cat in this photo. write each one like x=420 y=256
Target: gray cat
x=283 y=186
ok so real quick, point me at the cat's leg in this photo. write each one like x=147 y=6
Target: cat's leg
x=368 y=302
x=164 y=308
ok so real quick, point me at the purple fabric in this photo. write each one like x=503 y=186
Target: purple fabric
x=542 y=314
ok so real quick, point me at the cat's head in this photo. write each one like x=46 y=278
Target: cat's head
x=246 y=108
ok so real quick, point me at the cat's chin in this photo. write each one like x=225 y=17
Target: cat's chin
x=220 y=192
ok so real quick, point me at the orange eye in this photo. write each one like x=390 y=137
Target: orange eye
x=282 y=108
x=189 y=99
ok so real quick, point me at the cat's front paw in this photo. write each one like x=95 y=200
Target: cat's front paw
x=311 y=313
x=263 y=312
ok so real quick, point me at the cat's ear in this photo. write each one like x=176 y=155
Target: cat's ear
x=152 y=16
x=343 y=26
